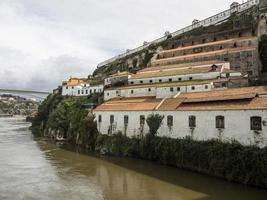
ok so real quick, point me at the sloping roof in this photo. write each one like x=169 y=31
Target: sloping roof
x=246 y=98
x=184 y=65
x=130 y=104
x=197 y=70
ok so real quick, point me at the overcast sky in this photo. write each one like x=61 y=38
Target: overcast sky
x=43 y=42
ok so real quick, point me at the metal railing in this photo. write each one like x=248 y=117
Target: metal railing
x=215 y=19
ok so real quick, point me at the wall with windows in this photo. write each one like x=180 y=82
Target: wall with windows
x=245 y=126
x=158 y=92
x=81 y=90
x=175 y=78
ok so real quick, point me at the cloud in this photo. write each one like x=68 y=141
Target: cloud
x=44 y=42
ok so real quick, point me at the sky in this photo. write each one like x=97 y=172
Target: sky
x=43 y=42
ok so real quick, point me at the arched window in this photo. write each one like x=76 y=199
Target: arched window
x=170 y=121
x=220 y=121
x=192 y=121
x=99 y=118
x=256 y=123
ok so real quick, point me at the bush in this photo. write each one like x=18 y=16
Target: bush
x=231 y=161
x=154 y=122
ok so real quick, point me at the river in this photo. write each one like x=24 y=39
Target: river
x=37 y=169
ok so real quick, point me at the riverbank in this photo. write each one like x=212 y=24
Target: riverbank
x=36 y=168
x=67 y=117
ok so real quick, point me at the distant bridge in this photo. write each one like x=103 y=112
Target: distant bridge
x=39 y=95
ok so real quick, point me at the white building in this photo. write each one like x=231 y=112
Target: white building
x=227 y=114
x=168 y=81
x=120 y=78
x=80 y=87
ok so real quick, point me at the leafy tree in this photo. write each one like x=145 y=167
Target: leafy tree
x=154 y=122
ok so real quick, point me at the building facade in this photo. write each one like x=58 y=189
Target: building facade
x=168 y=81
x=80 y=87
x=227 y=114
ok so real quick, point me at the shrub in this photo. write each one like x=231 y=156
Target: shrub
x=154 y=122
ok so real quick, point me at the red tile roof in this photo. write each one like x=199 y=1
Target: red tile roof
x=246 y=98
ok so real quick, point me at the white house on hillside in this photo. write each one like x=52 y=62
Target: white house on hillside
x=80 y=87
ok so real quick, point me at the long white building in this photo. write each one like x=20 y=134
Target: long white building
x=227 y=114
x=168 y=81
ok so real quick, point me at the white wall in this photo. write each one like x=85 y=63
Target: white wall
x=160 y=92
x=237 y=125
x=186 y=77
x=84 y=90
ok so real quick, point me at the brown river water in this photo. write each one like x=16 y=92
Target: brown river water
x=37 y=169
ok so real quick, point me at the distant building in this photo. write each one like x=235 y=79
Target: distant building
x=80 y=87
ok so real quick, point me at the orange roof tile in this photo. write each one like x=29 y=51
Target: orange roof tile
x=227 y=99
x=196 y=70
x=193 y=64
x=130 y=104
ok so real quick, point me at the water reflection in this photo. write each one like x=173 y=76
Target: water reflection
x=37 y=169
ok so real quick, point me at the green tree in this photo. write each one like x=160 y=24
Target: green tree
x=154 y=122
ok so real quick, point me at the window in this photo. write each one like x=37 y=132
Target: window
x=255 y=123
x=206 y=86
x=179 y=79
x=160 y=80
x=142 y=120
x=78 y=91
x=117 y=92
x=220 y=121
x=132 y=91
x=171 y=89
x=126 y=119
x=132 y=82
x=67 y=87
x=99 y=118
x=192 y=121
x=150 y=81
x=141 y=82
x=82 y=91
x=72 y=87
x=193 y=87
x=223 y=84
x=170 y=80
x=170 y=120
x=107 y=94
x=94 y=90
x=178 y=89
x=190 y=78
x=149 y=89
x=111 y=119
